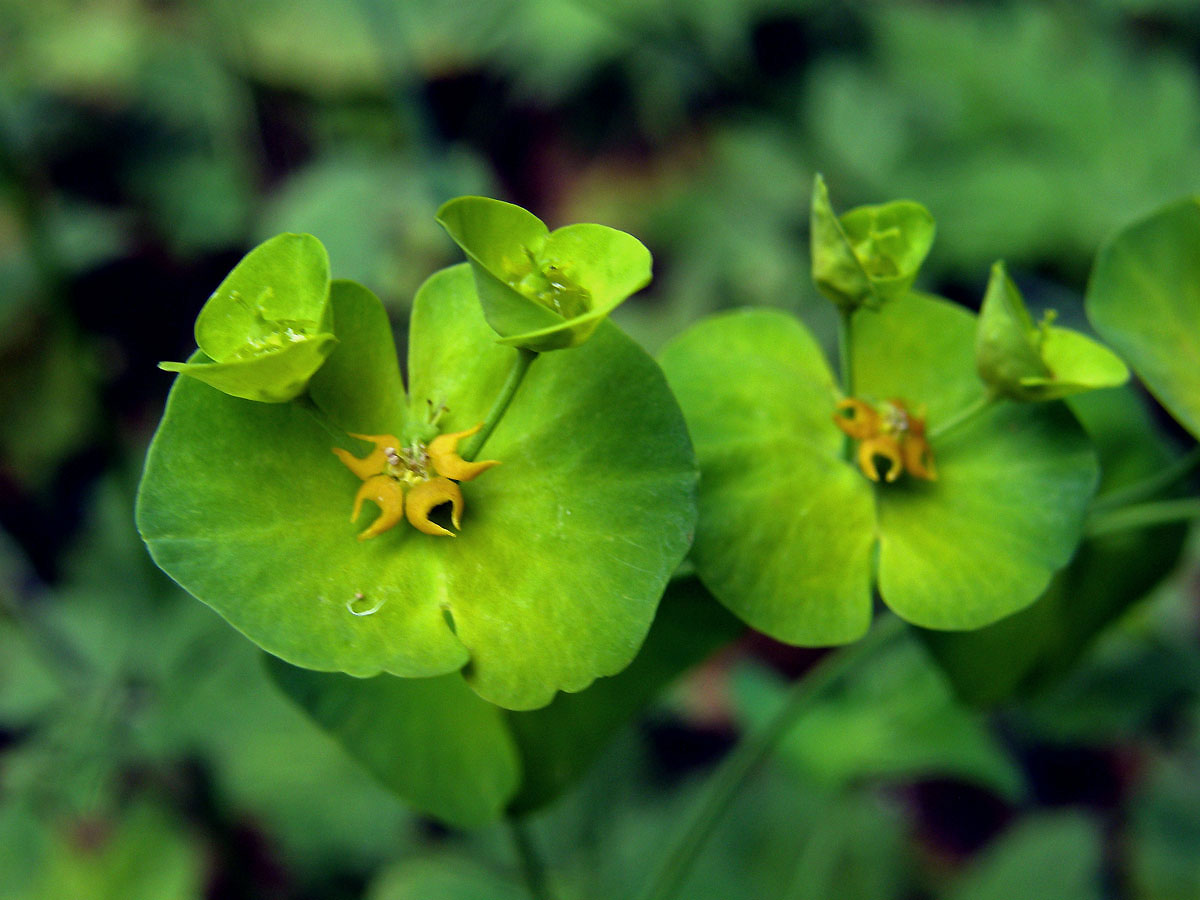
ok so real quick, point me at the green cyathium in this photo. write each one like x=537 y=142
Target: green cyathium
x=269 y=326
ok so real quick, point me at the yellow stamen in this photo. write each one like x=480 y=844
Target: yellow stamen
x=891 y=434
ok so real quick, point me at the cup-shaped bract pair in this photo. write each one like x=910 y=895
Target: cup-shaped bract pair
x=540 y=289
x=869 y=255
x=794 y=537
x=1020 y=360
x=269 y=325
x=565 y=547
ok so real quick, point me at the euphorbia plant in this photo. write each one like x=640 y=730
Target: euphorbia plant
x=957 y=506
x=535 y=486
x=565 y=546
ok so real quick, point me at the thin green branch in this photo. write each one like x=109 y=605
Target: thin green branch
x=751 y=752
x=1143 y=515
x=1149 y=487
x=964 y=415
x=516 y=374
x=845 y=351
x=533 y=870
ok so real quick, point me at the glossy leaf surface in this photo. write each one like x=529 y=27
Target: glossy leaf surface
x=564 y=551
x=1144 y=299
x=786 y=526
x=540 y=289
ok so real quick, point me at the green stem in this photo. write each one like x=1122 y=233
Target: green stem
x=751 y=752
x=516 y=374
x=845 y=358
x=533 y=870
x=1149 y=487
x=964 y=415
x=1143 y=515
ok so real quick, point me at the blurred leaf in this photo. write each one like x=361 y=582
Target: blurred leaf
x=1055 y=856
x=376 y=215
x=48 y=407
x=1023 y=127
x=852 y=851
x=142 y=853
x=432 y=741
x=443 y=878
x=1165 y=832
x=1144 y=298
x=896 y=719
x=559 y=742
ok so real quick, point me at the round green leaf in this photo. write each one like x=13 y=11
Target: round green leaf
x=786 y=525
x=1144 y=299
x=1107 y=574
x=1007 y=508
x=268 y=326
x=539 y=289
x=564 y=551
x=432 y=741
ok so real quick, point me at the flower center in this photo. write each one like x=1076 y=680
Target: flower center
x=891 y=438
x=411 y=481
x=549 y=283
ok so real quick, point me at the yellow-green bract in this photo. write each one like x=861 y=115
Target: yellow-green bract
x=1023 y=361
x=541 y=289
x=870 y=254
x=269 y=325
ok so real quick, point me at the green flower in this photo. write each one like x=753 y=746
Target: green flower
x=869 y=255
x=269 y=326
x=564 y=550
x=795 y=536
x=541 y=289
x=1023 y=361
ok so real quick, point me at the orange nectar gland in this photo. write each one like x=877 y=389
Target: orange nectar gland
x=429 y=473
x=889 y=433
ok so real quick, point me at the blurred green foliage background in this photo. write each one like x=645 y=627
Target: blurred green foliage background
x=146 y=144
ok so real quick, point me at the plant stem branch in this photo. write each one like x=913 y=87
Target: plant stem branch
x=964 y=415
x=516 y=374
x=532 y=868
x=751 y=752
x=1149 y=487
x=1142 y=515
x=845 y=357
